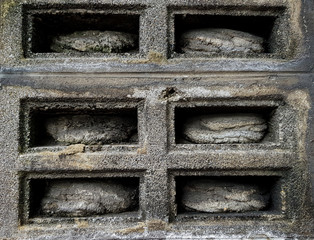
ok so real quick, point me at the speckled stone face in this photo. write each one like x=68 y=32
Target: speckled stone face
x=133 y=119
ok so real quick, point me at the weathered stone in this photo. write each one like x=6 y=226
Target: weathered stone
x=95 y=41
x=225 y=128
x=212 y=196
x=86 y=198
x=217 y=40
x=86 y=129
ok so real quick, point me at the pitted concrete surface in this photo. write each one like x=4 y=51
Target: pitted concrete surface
x=220 y=41
x=94 y=41
x=70 y=198
x=225 y=128
x=162 y=86
x=87 y=129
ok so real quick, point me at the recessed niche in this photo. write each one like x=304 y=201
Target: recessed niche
x=238 y=35
x=82 y=197
x=82 y=32
x=224 y=125
x=61 y=127
x=242 y=195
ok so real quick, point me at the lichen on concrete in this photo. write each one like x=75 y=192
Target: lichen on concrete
x=5 y=7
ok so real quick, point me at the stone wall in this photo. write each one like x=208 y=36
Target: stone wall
x=156 y=119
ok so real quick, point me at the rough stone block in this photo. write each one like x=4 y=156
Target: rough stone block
x=219 y=40
x=218 y=196
x=225 y=128
x=87 y=129
x=94 y=41
x=81 y=198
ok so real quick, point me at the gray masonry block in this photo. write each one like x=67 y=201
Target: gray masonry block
x=97 y=144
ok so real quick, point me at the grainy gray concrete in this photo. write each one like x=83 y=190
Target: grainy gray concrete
x=164 y=87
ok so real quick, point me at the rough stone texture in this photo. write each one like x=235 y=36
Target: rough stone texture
x=225 y=128
x=214 y=196
x=88 y=129
x=95 y=41
x=155 y=37
x=158 y=159
x=216 y=40
x=83 y=198
x=199 y=81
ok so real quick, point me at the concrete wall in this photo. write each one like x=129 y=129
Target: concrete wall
x=161 y=89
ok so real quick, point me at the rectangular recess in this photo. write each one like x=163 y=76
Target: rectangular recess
x=50 y=197
x=204 y=196
x=44 y=26
x=95 y=124
x=217 y=124
x=269 y=23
